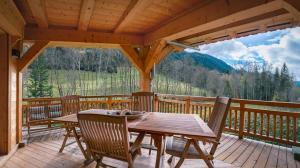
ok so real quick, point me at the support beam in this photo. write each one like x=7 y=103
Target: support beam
x=86 y=11
x=131 y=13
x=31 y=54
x=38 y=11
x=208 y=16
x=4 y=98
x=64 y=35
x=157 y=52
x=11 y=20
x=133 y=56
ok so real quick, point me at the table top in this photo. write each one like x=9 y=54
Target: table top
x=159 y=123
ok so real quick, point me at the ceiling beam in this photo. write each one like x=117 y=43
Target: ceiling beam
x=86 y=11
x=31 y=54
x=39 y=12
x=131 y=13
x=133 y=56
x=11 y=20
x=211 y=15
x=65 y=35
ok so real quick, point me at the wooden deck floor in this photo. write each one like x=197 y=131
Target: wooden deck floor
x=42 y=151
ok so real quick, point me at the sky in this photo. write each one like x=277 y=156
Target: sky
x=274 y=48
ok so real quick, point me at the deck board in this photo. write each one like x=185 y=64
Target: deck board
x=42 y=152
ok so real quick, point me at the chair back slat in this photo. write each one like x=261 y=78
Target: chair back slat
x=218 y=116
x=105 y=135
x=70 y=104
x=143 y=101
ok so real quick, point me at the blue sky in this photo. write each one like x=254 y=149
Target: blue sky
x=274 y=48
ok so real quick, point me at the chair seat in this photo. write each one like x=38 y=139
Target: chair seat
x=175 y=147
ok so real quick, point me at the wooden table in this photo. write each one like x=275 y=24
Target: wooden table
x=158 y=125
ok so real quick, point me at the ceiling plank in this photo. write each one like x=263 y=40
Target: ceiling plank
x=133 y=56
x=131 y=13
x=39 y=12
x=235 y=32
x=66 y=35
x=211 y=15
x=31 y=54
x=86 y=11
x=11 y=20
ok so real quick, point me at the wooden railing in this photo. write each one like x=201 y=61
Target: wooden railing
x=272 y=121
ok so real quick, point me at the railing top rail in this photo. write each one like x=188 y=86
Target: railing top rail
x=244 y=101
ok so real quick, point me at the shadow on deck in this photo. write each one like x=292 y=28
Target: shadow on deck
x=42 y=151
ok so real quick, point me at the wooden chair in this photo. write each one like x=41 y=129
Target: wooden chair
x=107 y=136
x=70 y=105
x=181 y=147
x=144 y=101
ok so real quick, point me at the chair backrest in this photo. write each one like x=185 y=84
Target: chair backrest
x=218 y=116
x=70 y=104
x=105 y=135
x=143 y=101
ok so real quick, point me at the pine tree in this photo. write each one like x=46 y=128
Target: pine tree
x=285 y=83
x=276 y=85
x=38 y=85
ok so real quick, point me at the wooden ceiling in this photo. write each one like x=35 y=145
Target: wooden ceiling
x=142 y=22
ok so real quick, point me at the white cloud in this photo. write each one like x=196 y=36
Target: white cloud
x=286 y=48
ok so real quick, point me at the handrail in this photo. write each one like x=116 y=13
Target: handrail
x=267 y=120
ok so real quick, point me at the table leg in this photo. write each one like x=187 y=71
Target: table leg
x=159 y=144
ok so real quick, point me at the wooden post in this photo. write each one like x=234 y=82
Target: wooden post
x=19 y=107
x=156 y=103
x=242 y=120
x=109 y=103
x=188 y=105
x=145 y=81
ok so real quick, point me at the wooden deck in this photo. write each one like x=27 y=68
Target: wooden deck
x=42 y=151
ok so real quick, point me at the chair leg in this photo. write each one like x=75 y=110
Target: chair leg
x=179 y=163
x=208 y=162
x=65 y=140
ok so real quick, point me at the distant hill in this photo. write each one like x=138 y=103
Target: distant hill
x=203 y=60
x=297 y=83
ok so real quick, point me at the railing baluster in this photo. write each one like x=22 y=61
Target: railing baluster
x=268 y=125
x=229 y=122
x=281 y=127
x=255 y=122
x=274 y=126
x=294 y=128
x=261 y=123
x=235 y=119
x=288 y=128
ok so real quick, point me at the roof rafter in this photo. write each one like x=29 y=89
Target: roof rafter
x=11 y=20
x=291 y=8
x=130 y=13
x=39 y=12
x=207 y=17
x=66 y=35
x=86 y=11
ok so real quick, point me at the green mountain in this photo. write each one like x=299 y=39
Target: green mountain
x=203 y=60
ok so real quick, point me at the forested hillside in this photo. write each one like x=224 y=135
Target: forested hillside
x=62 y=71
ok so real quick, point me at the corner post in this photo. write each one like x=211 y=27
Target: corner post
x=145 y=81
x=242 y=120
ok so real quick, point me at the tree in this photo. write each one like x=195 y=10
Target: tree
x=285 y=83
x=38 y=84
